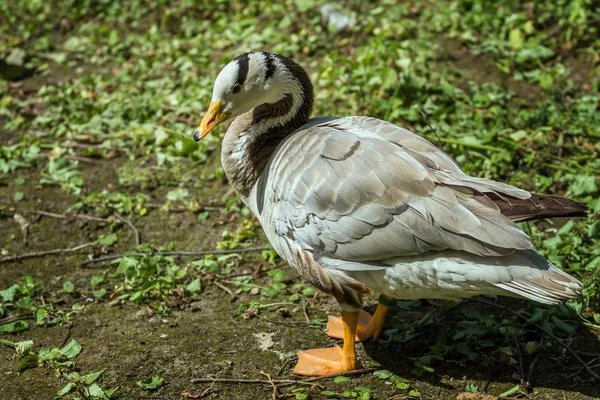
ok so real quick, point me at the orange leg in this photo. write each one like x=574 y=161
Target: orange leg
x=368 y=327
x=332 y=360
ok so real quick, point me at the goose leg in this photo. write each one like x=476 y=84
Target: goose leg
x=332 y=360
x=369 y=327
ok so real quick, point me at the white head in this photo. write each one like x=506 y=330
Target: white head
x=249 y=80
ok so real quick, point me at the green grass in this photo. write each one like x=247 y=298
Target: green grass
x=510 y=88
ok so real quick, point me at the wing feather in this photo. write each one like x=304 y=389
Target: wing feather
x=362 y=189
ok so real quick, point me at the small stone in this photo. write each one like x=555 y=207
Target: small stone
x=265 y=340
x=283 y=312
x=195 y=306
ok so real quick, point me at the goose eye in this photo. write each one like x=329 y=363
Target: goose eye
x=236 y=88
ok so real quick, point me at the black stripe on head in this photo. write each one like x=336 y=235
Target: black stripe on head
x=243 y=62
x=269 y=59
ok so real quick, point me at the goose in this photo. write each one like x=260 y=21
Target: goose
x=358 y=205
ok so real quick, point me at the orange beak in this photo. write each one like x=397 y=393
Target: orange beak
x=213 y=117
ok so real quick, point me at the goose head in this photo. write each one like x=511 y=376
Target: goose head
x=248 y=81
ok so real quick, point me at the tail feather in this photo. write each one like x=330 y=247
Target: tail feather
x=553 y=287
x=537 y=207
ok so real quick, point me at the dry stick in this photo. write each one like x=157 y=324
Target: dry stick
x=280 y=382
x=174 y=253
x=74 y=158
x=532 y=366
x=18 y=317
x=285 y=382
x=521 y=370
x=226 y=289
x=347 y=373
x=295 y=323
x=67 y=336
x=198 y=396
x=304 y=310
x=182 y=209
x=128 y=222
x=46 y=253
x=556 y=339
x=440 y=143
x=79 y=216
x=275 y=391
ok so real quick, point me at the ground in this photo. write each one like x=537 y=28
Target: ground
x=99 y=102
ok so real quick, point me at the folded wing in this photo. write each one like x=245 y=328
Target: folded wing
x=364 y=189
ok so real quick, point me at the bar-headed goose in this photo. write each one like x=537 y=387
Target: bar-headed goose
x=359 y=205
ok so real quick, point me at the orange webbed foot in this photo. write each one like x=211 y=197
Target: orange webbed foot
x=326 y=361
x=335 y=327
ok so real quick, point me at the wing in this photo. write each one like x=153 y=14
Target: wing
x=362 y=189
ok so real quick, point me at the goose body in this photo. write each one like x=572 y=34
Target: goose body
x=359 y=205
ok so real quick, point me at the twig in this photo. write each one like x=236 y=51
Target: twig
x=280 y=382
x=556 y=339
x=304 y=310
x=46 y=253
x=68 y=335
x=74 y=158
x=226 y=289
x=128 y=222
x=275 y=391
x=198 y=396
x=61 y=216
x=17 y=317
x=295 y=323
x=175 y=253
x=347 y=373
x=87 y=146
x=182 y=209
x=532 y=366
x=440 y=143
x=521 y=370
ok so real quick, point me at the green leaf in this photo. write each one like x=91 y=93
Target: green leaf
x=340 y=379
x=152 y=383
x=41 y=316
x=108 y=240
x=99 y=293
x=96 y=280
x=563 y=326
x=72 y=349
x=194 y=286
x=515 y=37
x=91 y=378
x=8 y=295
x=95 y=392
x=277 y=274
x=18 y=196
x=23 y=346
x=383 y=374
x=110 y=392
x=414 y=393
x=304 y=5
x=68 y=287
x=16 y=326
x=178 y=194
x=30 y=360
x=64 y=391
